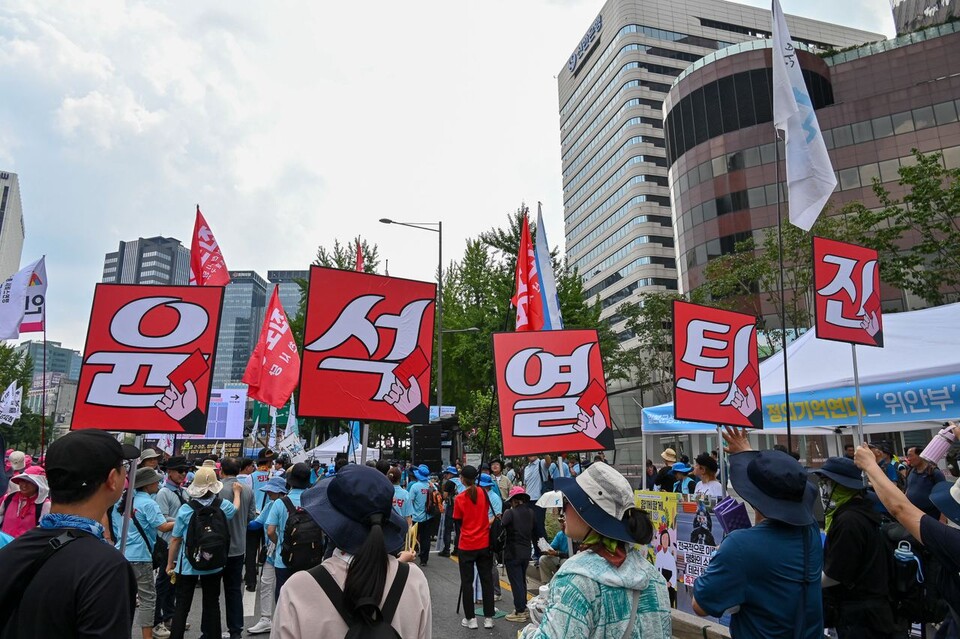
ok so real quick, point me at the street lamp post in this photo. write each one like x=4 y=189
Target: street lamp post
x=427 y=226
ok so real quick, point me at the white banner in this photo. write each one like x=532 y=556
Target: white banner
x=13 y=301
x=292 y=446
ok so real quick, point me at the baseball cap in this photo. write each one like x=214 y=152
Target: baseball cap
x=84 y=456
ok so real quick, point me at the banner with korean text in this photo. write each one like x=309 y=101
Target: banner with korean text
x=368 y=347
x=716 y=366
x=148 y=359
x=552 y=392
x=846 y=281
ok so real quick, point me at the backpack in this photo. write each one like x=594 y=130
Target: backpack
x=6 y=506
x=498 y=534
x=303 y=544
x=372 y=626
x=913 y=589
x=208 y=536
x=434 y=505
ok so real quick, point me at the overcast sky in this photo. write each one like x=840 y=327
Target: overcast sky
x=290 y=123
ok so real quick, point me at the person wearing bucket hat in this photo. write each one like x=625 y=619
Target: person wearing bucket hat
x=607 y=589
x=684 y=483
x=273 y=489
x=27 y=502
x=520 y=525
x=298 y=480
x=665 y=478
x=203 y=492
x=941 y=540
x=355 y=509
x=856 y=560
x=86 y=588
x=883 y=451
x=778 y=594
x=419 y=492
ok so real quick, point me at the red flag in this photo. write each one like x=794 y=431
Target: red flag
x=359 y=265
x=527 y=300
x=207 y=267
x=274 y=366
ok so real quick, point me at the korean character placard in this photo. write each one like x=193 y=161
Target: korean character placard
x=149 y=358
x=552 y=392
x=368 y=344
x=716 y=366
x=847 y=300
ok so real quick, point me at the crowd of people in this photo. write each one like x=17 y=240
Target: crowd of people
x=346 y=547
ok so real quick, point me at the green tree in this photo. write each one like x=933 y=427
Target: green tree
x=650 y=361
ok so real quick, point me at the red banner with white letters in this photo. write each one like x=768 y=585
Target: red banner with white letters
x=846 y=281
x=207 y=267
x=368 y=347
x=716 y=366
x=552 y=392
x=274 y=366
x=148 y=360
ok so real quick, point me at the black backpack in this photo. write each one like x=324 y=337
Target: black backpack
x=375 y=624
x=498 y=533
x=208 y=536
x=913 y=590
x=303 y=542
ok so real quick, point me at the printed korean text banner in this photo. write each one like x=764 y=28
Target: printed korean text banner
x=149 y=359
x=934 y=398
x=716 y=366
x=846 y=278
x=368 y=347
x=552 y=392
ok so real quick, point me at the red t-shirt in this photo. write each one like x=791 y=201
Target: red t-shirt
x=474 y=520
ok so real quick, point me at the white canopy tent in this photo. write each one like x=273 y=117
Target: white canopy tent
x=327 y=452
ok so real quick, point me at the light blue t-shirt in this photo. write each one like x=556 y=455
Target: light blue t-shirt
x=459 y=484
x=418 y=499
x=148 y=515
x=259 y=479
x=278 y=517
x=559 y=469
x=5 y=539
x=496 y=502
x=262 y=520
x=182 y=524
x=401 y=502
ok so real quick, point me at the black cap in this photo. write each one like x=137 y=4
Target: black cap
x=85 y=456
x=469 y=472
x=298 y=476
x=178 y=463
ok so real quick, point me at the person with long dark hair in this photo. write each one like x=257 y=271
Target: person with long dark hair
x=472 y=509
x=608 y=589
x=355 y=510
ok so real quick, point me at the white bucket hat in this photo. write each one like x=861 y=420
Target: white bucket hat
x=204 y=481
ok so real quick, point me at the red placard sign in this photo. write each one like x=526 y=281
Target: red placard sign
x=552 y=392
x=368 y=343
x=716 y=367
x=846 y=278
x=149 y=359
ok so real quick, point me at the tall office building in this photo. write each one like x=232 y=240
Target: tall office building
x=12 y=230
x=152 y=260
x=617 y=211
x=62 y=361
x=244 y=302
x=286 y=283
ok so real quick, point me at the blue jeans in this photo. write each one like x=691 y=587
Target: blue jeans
x=233 y=594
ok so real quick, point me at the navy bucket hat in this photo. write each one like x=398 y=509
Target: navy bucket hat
x=843 y=471
x=346 y=506
x=774 y=483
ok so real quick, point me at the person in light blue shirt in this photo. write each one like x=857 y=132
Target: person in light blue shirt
x=451 y=473
x=559 y=468
x=274 y=489
x=204 y=490
x=418 y=492
x=145 y=516
x=401 y=498
x=485 y=481
x=298 y=479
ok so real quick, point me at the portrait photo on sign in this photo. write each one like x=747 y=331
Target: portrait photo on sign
x=552 y=392
x=716 y=366
x=149 y=358
x=846 y=284
x=368 y=347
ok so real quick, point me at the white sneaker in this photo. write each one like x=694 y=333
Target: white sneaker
x=263 y=626
x=160 y=631
x=488 y=622
x=469 y=623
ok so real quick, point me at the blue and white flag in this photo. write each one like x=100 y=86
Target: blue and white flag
x=293 y=427
x=354 y=439
x=552 y=321
x=810 y=177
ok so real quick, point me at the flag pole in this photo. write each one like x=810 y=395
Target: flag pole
x=43 y=387
x=856 y=388
x=783 y=302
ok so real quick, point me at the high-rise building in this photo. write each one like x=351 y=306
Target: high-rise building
x=12 y=231
x=244 y=302
x=617 y=210
x=152 y=260
x=61 y=361
x=289 y=289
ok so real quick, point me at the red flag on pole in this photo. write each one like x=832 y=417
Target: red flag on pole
x=527 y=300
x=359 y=264
x=207 y=267
x=274 y=366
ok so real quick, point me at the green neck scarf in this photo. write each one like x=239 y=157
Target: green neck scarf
x=596 y=539
x=839 y=496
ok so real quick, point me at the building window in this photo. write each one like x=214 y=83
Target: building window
x=923 y=118
x=902 y=122
x=882 y=127
x=945 y=113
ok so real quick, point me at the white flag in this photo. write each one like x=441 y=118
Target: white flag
x=552 y=320
x=13 y=301
x=165 y=443
x=293 y=428
x=7 y=396
x=223 y=449
x=35 y=304
x=810 y=178
x=10 y=404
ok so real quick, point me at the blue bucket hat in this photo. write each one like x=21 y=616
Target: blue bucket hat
x=680 y=467
x=421 y=472
x=485 y=481
x=452 y=470
x=346 y=506
x=843 y=471
x=946 y=497
x=276 y=485
x=774 y=483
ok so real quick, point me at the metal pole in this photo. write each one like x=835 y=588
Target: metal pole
x=43 y=395
x=439 y=320
x=783 y=302
x=364 y=437
x=720 y=460
x=128 y=504
x=856 y=388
